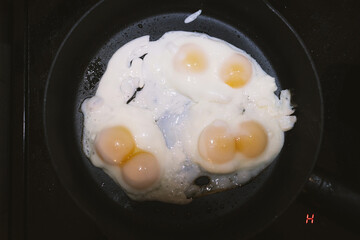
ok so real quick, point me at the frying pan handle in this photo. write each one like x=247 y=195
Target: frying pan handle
x=332 y=196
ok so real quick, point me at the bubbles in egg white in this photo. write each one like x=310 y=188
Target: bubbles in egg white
x=174 y=103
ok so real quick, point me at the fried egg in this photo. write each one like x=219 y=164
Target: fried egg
x=184 y=115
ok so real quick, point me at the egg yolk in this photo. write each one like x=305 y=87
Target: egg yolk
x=190 y=58
x=236 y=71
x=252 y=139
x=113 y=145
x=216 y=144
x=141 y=171
x=116 y=146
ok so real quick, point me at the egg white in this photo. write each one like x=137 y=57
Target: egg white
x=172 y=108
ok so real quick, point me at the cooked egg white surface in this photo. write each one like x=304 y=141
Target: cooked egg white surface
x=185 y=106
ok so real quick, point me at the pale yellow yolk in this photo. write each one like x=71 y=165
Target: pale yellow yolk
x=236 y=71
x=141 y=171
x=216 y=144
x=190 y=58
x=114 y=145
x=252 y=139
x=117 y=146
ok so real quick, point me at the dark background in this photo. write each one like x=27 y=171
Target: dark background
x=38 y=207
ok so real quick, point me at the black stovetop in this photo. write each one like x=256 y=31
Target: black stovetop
x=40 y=208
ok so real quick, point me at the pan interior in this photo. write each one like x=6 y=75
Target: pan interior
x=82 y=60
x=155 y=27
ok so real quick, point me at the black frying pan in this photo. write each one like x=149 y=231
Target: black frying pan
x=250 y=25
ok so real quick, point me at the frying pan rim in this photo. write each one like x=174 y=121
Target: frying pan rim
x=55 y=58
x=276 y=12
x=44 y=117
x=321 y=123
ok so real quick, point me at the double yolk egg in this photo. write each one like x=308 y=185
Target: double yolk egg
x=218 y=145
x=235 y=71
x=116 y=146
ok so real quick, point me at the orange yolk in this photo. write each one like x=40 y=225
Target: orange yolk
x=190 y=58
x=252 y=139
x=236 y=71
